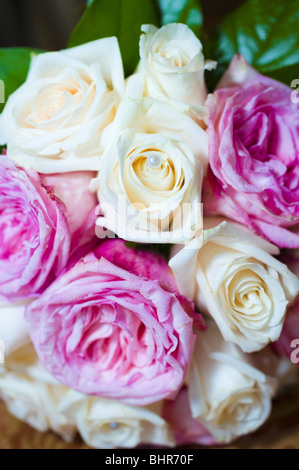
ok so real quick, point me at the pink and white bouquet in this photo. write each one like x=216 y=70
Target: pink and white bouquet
x=149 y=236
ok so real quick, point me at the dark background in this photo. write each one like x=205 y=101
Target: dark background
x=47 y=24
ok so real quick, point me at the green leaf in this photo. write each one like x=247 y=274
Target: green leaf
x=266 y=34
x=162 y=249
x=14 y=65
x=120 y=18
x=285 y=74
x=182 y=11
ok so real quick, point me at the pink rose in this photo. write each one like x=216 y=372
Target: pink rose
x=34 y=234
x=254 y=154
x=80 y=203
x=114 y=331
x=187 y=430
x=290 y=331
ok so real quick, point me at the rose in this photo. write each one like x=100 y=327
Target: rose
x=173 y=65
x=232 y=276
x=185 y=428
x=32 y=395
x=289 y=338
x=35 y=237
x=54 y=121
x=40 y=231
x=270 y=363
x=108 y=424
x=149 y=185
x=79 y=203
x=29 y=392
x=178 y=414
x=228 y=395
x=102 y=330
x=2 y=353
x=13 y=328
x=254 y=147
x=140 y=261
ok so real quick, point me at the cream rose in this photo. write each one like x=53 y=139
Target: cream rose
x=2 y=352
x=54 y=121
x=172 y=62
x=13 y=328
x=32 y=395
x=149 y=184
x=228 y=395
x=108 y=424
x=231 y=275
x=271 y=363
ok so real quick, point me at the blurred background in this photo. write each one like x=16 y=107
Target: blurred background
x=47 y=24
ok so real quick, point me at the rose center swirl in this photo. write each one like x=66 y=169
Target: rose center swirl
x=247 y=299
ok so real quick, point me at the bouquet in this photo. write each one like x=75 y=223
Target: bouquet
x=149 y=268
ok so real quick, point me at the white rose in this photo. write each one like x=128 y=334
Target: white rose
x=32 y=395
x=13 y=328
x=54 y=121
x=108 y=424
x=2 y=353
x=275 y=365
x=149 y=185
x=231 y=275
x=173 y=64
x=228 y=395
